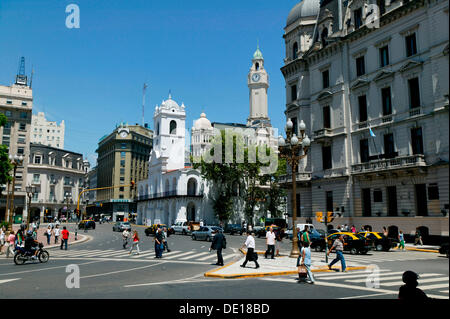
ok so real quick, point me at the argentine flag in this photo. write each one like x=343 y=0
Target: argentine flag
x=372 y=133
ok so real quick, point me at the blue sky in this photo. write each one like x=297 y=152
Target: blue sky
x=92 y=77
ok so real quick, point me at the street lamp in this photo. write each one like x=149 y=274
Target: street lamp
x=30 y=191
x=289 y=149
x=15 y=160
x=67 y=197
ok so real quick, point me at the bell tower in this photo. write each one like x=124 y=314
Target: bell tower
x=258 y=83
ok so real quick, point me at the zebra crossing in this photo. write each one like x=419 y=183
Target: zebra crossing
x=174 y=255
x=380 y=257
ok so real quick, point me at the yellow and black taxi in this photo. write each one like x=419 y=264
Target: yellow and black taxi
x=353 y=243
x=86 y=224
x=378 y=241
x=152 y=229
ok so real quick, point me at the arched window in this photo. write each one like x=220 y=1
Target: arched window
x=257 y=66
x=192 y=186
x=295 y=50
x=323 y=36
x=173 y=127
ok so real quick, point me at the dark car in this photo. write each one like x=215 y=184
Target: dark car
x=152 y=229
x=378 y=241
x=86 y=224
x=444 y=249
x=234 y=229
x=353 y=243
x=262 y=232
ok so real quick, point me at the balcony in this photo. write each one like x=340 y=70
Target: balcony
x=36 y=182
x=169 y=194
x=389 y=164
x=299 y=177
x=415 y=111
x=323 y=134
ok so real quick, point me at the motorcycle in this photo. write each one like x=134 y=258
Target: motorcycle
x=21 y=255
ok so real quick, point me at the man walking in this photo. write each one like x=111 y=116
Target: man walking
x=418 y=238
x=164 y=239
x=270 y=241
x=158 y=243
x=125 y=236
x=339 y=246
x=65 y=237
x=251 y=255
x=218 y=243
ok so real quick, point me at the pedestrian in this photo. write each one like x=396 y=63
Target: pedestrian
x=159 y=246
x=353 y=229
x=48 y=233
x=125 y=237
x=270 y=241
x=19 y=238
x=385 y=232
x=362 y=230
x=57 y=232
x=135 y=242
x=401 y=239
x=418 y=238
x=165 y=244
x=305 y=237
x=10 y=244
x=339 y=246
x=65 y=237
x=299 y=238
x=409 y=290
x=346 y=227
x=305 y=256
x=2 y=238
x=251 y=254
x=219 y=242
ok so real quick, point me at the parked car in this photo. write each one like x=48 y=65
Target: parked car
x=353 y=243
x=181 y=228
x=121 y=226
x=152 y=229
x=86 y=224
x=262 y=232
x=205 y=233
x=444 y=249
x=378 y=241
x=234 y=229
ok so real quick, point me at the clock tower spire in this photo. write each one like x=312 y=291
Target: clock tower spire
x=258 y=83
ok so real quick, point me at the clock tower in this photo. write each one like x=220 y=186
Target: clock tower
x=258 y=83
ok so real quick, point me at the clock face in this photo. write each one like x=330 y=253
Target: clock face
x=255 y=77
x=124 y=134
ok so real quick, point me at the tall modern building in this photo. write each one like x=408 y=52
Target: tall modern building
x=373 y=93
x=122 y=157
x=47 y=132
x=16 y=103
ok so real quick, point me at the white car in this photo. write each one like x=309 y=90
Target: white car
x=181 y=228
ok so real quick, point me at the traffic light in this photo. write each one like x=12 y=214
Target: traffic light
x=330 y=217
x=319 y=217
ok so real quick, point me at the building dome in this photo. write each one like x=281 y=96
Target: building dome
x=305 y=8
x=169 y=103
x=202 y=123
x=258 y=54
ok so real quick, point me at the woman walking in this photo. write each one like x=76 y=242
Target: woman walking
x=135 y=242
x=401 y=239
x=2 y=238
x=48 y=233
x=306 y=262
x=10 y=244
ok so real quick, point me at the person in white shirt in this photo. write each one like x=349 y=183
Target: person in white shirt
x=270 y=241
x=251 y=255
x=125 y=236
x=2 y=238
x=57 y=233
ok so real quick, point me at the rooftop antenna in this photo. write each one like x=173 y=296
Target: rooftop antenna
x=32 y=72
x=170 y=93
x=21 y=78
x=143 y=103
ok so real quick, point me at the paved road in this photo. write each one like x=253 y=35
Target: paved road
x=108 y=271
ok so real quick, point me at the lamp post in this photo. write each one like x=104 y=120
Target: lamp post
x=30 y=191
x=289 y=149
x=15 y=160
x=67 y=197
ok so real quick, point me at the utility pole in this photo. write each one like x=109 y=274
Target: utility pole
x=143 y=104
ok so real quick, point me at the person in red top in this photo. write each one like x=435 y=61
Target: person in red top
x=65 y=237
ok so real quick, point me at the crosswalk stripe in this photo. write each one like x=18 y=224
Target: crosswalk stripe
x=400 y=283
x=179 y=255
x=437 y=286
x=143 y=254
x=391 y=277
x=200 y=254
x=208 y=257
x=346 y=275
x=349 y=275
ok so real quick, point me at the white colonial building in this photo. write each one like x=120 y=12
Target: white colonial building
x=47 y=132
x=373 y=94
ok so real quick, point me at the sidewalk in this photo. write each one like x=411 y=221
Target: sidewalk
x=279 y=266
x=425 y=248
x=43 y=238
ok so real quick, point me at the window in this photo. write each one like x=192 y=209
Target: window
x=293 y=92
x=123 y=145
x=122 y=180
x=360 y=67
x=123 y=154
x=294 y=51
x=417 y=140
x=37 y=160
x=8 y=102
x=173 y=127
x=411 y=47
x=36 y=178
x=389 y=150
x=20 y=150
x=8 y=113
x=22 y=126
x=381 y=6
x=357 y=15
x=323 y=36
x=362 y=103
x=23 y=115
x=326 y=117
x=414 y=93
x=386 y=100
x=66 y=180
x=433 y=192
x=377 y=196
x=122 y=171
x=21 y=139
x=329 y=201
x=326 y=157
x=384 y=56
x=326 y=79
x=364 y=150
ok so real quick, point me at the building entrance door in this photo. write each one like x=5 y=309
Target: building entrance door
x=366 y=202
x=421 y=200
x=392 y=200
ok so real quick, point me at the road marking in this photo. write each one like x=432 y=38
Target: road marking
x=200 y=254
x=121 y=271
x=388 y=278
x=143 y=254
x=364 y=296
x=438 y=286
x=183 y=254
x=36 y=270
x=2 y=281
x=400 y=283
x=347 y=275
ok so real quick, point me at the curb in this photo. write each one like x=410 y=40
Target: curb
x=80 y=241
x=422 y=249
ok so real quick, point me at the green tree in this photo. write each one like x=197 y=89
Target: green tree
x=5 y=164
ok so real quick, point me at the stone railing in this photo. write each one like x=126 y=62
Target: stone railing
x=387 y=164
x=300 y=177
x=169 y=194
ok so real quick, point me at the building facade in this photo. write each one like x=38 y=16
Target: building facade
x=122 y=158
x=46 y=132
x=16 y=103
x=58 y=176
x=373 y=93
